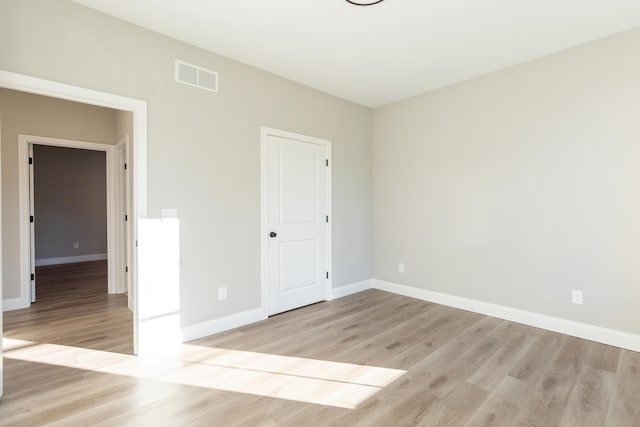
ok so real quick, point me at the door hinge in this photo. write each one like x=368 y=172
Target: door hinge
x=33 y=276
x=126 y=218
x=327 y=274
x=30 y=160
x=327 y=219
x=126 y=269
x=125 y=166
x=31 y=218
x=327 y=162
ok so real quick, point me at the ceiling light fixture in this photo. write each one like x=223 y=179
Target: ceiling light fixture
x=364 y=3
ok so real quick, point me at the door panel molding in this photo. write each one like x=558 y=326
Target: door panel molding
x=267 y=132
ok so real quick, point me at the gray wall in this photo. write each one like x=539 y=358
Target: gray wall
x=519 y=186
x=70 y=190
x=23 y=113
x=203 y=148
x=512 y=188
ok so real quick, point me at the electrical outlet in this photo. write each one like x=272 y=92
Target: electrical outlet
x=401 y=267
x=76 y=245
x=576 y=296
x=222 y=293
x=169 y=213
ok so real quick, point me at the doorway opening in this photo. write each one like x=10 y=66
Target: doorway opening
x=67 y=208
x=137 y=154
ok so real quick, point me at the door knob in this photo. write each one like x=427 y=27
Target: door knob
x=273 y=234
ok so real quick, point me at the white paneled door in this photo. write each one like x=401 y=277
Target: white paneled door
x=297 y=221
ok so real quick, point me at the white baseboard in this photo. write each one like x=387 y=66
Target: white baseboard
x=353 y=288
x=569 y=327
x=210 y=327
x=215 y=326
x=13 y=304
x=70 y=259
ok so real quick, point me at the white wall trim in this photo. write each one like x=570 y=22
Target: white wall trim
x=569 y=327
x=124 y=243
x=13 y=304
x=211 y=327
x=3 y=304
x=353 y=288
x=70 y=259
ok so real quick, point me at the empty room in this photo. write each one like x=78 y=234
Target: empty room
x=340 y=213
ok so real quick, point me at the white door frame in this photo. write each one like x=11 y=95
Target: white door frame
x=1 y=295
x=265 y=132
x=38 y=86
x=32 y=227
x=26 y=250
x=125 y=248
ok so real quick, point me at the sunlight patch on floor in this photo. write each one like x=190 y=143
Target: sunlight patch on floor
x=320 y=382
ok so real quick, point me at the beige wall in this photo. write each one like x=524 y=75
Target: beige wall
x=203 y=148
x=519 y=186
x=30 y=114
x=124 y=125
x=70 y=192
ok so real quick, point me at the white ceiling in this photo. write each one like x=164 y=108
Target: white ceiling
x=379 y=54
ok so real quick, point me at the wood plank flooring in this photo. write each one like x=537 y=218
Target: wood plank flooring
x=73 y=308
x=369 y=359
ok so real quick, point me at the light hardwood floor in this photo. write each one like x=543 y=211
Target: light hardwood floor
x=370 y=359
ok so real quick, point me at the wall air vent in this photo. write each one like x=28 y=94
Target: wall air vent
x=193 y=75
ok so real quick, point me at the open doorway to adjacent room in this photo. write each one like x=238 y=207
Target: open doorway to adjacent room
x=74 y=234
